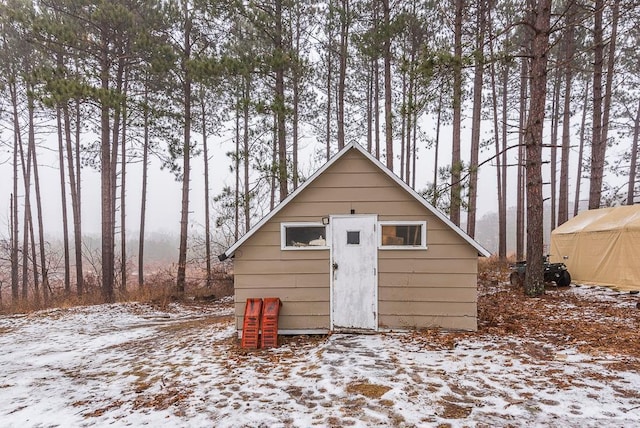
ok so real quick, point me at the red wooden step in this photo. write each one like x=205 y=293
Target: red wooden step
x=270 y=322
x=251 y=323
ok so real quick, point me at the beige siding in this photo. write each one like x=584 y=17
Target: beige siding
x=406 y=322
x=439 y=294
x=417 y=288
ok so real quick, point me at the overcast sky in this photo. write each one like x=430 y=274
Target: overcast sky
x=163 y=205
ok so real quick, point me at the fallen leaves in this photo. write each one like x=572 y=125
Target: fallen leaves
x=561 y=319
x=367 y=389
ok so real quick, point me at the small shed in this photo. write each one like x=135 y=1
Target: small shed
x=354 y=248
x=601 y=247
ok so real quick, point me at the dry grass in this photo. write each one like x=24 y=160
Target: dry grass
x=367 y=389
x=560 y=318
x=493 y=269
x=159 y=289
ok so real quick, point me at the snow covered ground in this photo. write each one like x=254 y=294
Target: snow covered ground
x=136 y=365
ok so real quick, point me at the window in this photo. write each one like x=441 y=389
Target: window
x=353 y=238
x=303 y=236
x=403 y=235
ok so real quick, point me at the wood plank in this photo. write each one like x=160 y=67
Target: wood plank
x=297 y=322
x=428 y=266
x=264 y=237
x=443 y=237
x=353 y=194
x=332 y=179
x=468 y=323
x=431 y=294
x=427 y=280
x=280 y=267
x=284 y=281
x=428 y=308
x=272 y=252
x=320 y=209
x=435 y=251
x=286 y=295
x=310 y=309
x=354 y=162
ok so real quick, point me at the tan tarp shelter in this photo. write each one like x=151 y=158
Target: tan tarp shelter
x=601 y=247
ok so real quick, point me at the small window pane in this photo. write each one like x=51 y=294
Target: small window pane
x=305 y=236
x=398 y=235
x=353 y=238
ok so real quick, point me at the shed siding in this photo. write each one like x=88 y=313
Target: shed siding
x=417 y=288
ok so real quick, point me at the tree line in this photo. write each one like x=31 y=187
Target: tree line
x=548 y=89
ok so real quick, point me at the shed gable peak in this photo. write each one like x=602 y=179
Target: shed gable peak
x=357 y=149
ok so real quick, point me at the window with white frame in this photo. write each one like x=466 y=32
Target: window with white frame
x=303 y=236
x=403 y=235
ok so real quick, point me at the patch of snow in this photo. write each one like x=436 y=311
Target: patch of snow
x=135 y=365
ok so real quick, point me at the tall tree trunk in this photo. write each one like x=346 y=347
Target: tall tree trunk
x=27 y=221
x=186 y=147
x=74 y=187
x=414 y=154
x=598 y=146
x=63 y=200
x=611 y=59
x=436 y=196
x=633 y=165
x=376 y=107
x=207 y=214
x=370 y=107
x=403 y=123
x=118 y=119
x=476 y=121
x=295 y=83
x=145 y=179
x=236 y=163
x=36 y=183
x=15 y=272
x=520 y=201
x=108 y=259
x=576 y=202
x=77 y=191
x=279 y=103
x=329 y=82
x=496 y=135
x=555 y=123
x=123 y=187
x=409 y=114
x=534 y=283
x=456 y=161
x=569 y=48
x=17 y=150
x=502 y=223
x=34 y=263
x=387 y=85
x=274 y=163
x=245 y=150
x=342 y=72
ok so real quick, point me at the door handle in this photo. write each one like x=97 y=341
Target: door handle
x=335 y=266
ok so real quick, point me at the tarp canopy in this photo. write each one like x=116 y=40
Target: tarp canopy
x=601 y=247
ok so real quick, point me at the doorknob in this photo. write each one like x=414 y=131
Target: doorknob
x=335 y=266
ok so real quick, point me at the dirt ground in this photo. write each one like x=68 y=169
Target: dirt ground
x=569 y=358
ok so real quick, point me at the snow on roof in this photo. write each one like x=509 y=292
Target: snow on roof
x=355 y=146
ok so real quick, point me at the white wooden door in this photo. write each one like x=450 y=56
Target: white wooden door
x=354 y=264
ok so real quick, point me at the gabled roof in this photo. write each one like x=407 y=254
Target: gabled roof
x=354 y=146
x=624 y=217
